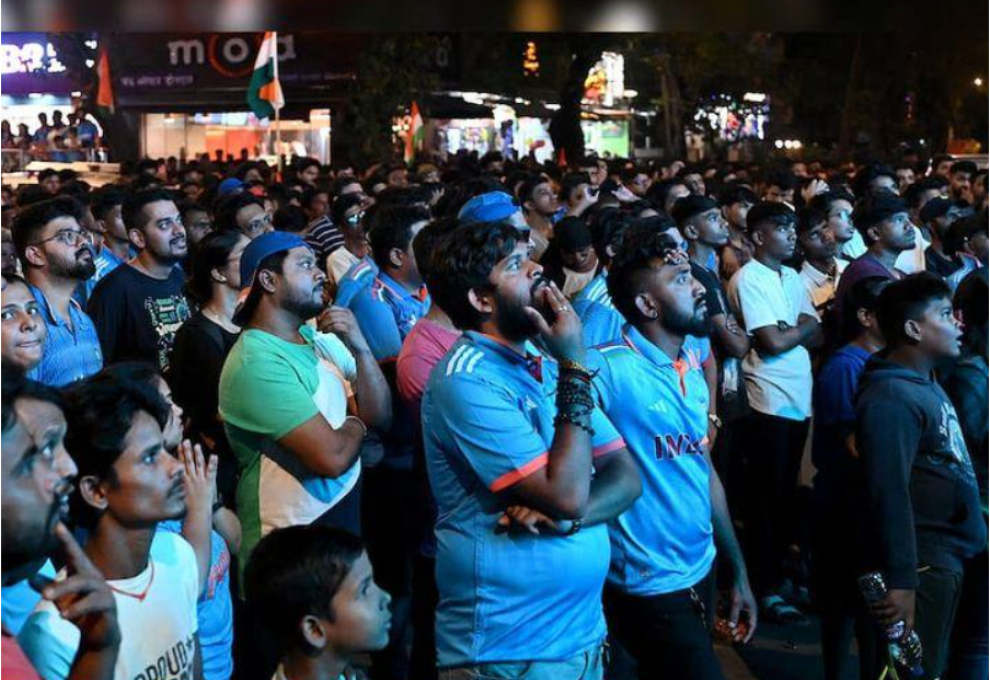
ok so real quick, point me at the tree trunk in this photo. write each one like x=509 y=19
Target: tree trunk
x=849 y=108
x=565 y=126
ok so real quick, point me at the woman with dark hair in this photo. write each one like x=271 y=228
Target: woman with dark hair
x=202 y=344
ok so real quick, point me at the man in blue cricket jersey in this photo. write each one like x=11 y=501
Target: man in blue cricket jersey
x=652 y=387
x=525 y=469
x=389 y=302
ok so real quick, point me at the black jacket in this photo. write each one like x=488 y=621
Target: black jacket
x=920 y=501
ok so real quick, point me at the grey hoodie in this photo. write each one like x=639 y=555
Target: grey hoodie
x=920 y=500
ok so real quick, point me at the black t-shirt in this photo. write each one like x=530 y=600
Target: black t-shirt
x=137 y=316
x=714 y=295
x=201 y=347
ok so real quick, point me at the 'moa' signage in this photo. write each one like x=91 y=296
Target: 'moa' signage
x=229 y=55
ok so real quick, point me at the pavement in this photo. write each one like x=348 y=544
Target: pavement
x=775 y=653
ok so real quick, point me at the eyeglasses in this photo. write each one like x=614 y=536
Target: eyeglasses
x=260 y=224
x=69 y=237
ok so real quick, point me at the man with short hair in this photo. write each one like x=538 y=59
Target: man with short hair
x=700 y=221
x=773 y=306
x=735 y=202
x=243 y=212
x=883 y=222
x=937 y=216
x=140 y=305
x=36 y=470
x=512 y=439
x=128 y=483
x=665 y=193
x=56 y=257
x=539 y=205
x=388 y=296
x=905 y=177
x=961 y=181
x=307 y=171
x=820 y=268
x=49 y=181
x=653 y=588
x=576 y=193
x=966 y=242
x=115 y=248
x=284 y=394
x=636 y=180
x=919 y=510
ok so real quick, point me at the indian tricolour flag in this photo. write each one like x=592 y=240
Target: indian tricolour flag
x=264 y=94
x=415 y=135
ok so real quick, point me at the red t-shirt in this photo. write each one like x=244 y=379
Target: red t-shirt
x=15 y=665
x=424 y=347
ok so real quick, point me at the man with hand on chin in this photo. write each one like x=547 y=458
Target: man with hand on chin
x=508 y=430
x=35 y=487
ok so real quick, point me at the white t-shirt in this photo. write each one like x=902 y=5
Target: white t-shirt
x=157 y=633
x=339 y=262
x=775 y=385
x=821 y=287
x=913 y=261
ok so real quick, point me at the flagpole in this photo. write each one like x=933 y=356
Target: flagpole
x=278 y=115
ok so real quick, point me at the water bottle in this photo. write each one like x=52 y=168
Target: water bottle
x=905 y=650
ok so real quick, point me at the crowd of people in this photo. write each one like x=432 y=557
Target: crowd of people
x=489 y=418
x=64 y=139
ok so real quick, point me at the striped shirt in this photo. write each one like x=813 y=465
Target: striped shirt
x=324 y=238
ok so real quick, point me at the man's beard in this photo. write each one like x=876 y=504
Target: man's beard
x=305 y=307
x=79 y=269
x=513 y=322
x=698 y=325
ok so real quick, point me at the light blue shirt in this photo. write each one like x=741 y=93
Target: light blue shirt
x=71 y=354
x=487 y=418
x=665 y=541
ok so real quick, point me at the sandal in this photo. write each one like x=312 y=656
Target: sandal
x=775 y=609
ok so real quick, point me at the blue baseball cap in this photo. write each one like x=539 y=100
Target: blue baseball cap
x=490 y=207
x=231 y=185
x=268 y=244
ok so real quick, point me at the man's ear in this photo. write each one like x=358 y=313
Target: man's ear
x=647 y=306
x=756 y=236
x=266 y=278
x=136 y=237
x=482 y=303
x=93 y=492
x=35 y=256
x=396 y=257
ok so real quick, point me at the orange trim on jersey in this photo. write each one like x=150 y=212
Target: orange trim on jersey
x=611 y=446
x=510 y=478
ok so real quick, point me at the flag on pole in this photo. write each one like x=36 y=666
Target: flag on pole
x=415 y=135
x=104 y=88
x=264 y=94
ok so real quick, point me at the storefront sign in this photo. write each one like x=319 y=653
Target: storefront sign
x=146 y=63
x=29 y=64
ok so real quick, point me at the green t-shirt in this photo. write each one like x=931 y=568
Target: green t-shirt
x=268 y=388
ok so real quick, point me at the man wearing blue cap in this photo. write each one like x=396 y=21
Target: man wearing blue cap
x=285 y=391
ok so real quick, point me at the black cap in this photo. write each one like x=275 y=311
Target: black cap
x=689 y=206
x=572 y=234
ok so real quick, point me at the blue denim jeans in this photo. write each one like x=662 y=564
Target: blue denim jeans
x=587 y=665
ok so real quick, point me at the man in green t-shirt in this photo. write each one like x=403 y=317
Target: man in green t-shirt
x=285 y=393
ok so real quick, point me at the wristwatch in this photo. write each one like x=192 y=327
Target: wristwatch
x=576 y=525
x=715 y=420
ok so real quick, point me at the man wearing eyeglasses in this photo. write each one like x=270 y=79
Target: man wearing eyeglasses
x=139 y=306
x=246 y=213
x=56 y=255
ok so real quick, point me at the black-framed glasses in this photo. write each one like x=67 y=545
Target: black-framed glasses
x=68 y=237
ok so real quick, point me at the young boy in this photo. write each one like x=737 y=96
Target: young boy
x=920 y=505
x=317 y=589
